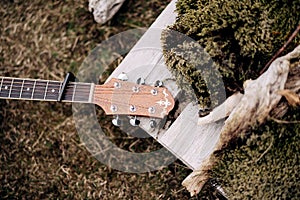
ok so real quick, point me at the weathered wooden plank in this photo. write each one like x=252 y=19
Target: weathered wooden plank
x=188 y=141
x=147 y=52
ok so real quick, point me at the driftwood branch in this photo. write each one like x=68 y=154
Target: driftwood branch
x=104 y=10
x=259 y=102
x=282 y=48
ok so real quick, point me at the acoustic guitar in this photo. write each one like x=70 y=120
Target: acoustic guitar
x=116 y=97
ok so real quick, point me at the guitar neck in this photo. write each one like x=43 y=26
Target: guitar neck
x=116 y=97
x=44 y=90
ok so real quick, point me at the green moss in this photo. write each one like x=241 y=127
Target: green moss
x=265 y=164
x=239 y=36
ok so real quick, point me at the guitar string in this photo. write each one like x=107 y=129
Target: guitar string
x=56 y=84
x=42 y=90
x=78 y=90
x=17 y=85
x=21 y=85
x=102 y=100
x=68 y=96
x=107 y=101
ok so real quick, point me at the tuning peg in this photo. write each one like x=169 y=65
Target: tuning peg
x=134 y=121
x=152 y=124
x=158 y=83
x=140 y=81
x=123 y=77
x=116 y=121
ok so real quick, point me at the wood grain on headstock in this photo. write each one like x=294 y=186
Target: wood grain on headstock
x=118 y=97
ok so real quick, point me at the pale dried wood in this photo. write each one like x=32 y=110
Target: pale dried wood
x=261 y=97
x=104 y=10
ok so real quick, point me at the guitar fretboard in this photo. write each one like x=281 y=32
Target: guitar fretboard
x=30 y=89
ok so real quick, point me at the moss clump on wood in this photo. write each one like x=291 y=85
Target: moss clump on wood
x=267 y=166
x=239 y=36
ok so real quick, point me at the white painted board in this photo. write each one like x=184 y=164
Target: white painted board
x=188 y=141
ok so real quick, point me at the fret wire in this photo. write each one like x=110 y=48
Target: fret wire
x=1 y=84
x=74 y=90
x=12 y=81
x=33 y=89
x=60 y=85
x=22 y=88
x=46 y=90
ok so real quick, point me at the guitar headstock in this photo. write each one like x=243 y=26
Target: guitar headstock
x=118 y=97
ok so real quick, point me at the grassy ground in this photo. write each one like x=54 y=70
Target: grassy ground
x=41 y=155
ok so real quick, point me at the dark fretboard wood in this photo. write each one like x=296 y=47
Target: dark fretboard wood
x=30 y=89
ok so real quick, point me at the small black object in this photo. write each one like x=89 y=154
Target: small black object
x=158 y=83
x=204 y=111
x=69 y=77
x=134 y=121
x=116 y=121
x=215 y=185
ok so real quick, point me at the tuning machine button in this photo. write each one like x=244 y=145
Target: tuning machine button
x=114 y=108
x=158 y=83
x=153 y=124
x=134 y=121
x=123 y=77
x=116 y=121
x=140 y=81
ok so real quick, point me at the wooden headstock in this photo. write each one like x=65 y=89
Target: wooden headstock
x=118 y=97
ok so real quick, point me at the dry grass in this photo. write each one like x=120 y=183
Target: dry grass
x=41 y=156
